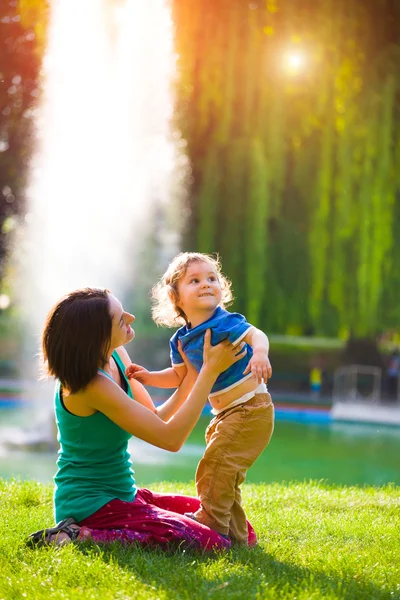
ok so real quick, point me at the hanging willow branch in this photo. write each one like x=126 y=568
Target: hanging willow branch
x=296 y=178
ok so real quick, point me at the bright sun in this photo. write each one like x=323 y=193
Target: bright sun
x=294 y=62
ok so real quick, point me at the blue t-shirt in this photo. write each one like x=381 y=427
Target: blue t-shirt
x=224 y=325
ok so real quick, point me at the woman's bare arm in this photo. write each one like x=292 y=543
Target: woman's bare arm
x=166 y=410
x=106 y=396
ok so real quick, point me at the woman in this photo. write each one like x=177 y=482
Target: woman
x=97 y=411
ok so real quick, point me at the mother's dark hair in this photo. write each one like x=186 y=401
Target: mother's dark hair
x=76 y=337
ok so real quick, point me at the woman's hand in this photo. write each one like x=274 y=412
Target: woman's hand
x=190 y=370
x=222 y=356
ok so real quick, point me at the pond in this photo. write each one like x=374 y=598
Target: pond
x=341 y=453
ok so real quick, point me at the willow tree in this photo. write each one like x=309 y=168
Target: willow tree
x=295 y=171
x=355 y=193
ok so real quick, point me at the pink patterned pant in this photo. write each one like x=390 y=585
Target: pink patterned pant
x=156 y=520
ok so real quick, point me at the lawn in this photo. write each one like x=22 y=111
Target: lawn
x=315 y=541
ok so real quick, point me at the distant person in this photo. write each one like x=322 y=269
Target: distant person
x=315 y=381
x=392 y=374
x=97 y=411
x=193 y=292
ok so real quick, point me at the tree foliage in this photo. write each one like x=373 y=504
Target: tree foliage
x=22 y=27
x=295 y=170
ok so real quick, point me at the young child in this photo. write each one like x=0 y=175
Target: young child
x=194 y=292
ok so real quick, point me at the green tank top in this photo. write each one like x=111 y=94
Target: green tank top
x=94 y=464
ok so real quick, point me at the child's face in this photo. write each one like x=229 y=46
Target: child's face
x=199 y=290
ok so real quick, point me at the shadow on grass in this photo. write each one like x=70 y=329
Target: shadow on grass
x=239 y=573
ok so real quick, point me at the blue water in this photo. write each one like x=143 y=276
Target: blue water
x=340 y=453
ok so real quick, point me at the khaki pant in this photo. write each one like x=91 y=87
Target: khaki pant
x=235 y=438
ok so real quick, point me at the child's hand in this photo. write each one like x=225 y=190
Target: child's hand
x=259 y=366
x=139 y=373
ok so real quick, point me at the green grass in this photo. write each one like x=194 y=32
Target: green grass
x=315 y=541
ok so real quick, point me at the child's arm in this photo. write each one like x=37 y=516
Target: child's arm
x=170 y=406
x=259 y=364
x=168 y=378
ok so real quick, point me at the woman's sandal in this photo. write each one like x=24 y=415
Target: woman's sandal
x=43 y=537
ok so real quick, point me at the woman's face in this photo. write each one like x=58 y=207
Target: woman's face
x=121 y=331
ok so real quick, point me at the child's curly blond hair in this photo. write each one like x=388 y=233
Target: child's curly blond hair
x=165 y=295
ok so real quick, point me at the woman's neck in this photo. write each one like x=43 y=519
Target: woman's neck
x=110 y=362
